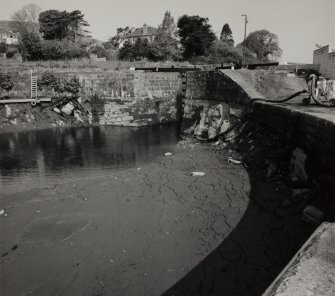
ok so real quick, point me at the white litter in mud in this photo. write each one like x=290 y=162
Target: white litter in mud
x=200 y=174
x=234 y=161
x=2 y=212
x=168 y=154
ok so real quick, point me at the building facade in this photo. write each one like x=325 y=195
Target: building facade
x=144 y=33
x=325 y=58
x=8 y=36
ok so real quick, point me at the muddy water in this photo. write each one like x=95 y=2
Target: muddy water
x=38 y=158
x=83 y=219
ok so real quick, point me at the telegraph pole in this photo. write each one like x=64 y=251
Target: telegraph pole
x=245 y=36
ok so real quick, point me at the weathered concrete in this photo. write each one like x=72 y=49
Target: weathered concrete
x=312 y=270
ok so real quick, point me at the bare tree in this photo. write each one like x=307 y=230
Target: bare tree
x=25 y=20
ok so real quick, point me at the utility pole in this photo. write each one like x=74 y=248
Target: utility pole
x=245 y=36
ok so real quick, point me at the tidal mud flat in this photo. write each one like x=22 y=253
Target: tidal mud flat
x=150 y=230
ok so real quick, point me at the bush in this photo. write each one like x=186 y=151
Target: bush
x=48 y=79
x=74 y=50
x=30 y=47
x=52 y=50
x=222 y=52
x=72 y=85
x=11 y=52
x=126 y=52
x=3 y=47
x=61 y=85
x=6 y=81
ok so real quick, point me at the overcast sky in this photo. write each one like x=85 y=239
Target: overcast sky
x=299 y=24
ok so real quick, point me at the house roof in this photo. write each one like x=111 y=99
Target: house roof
x=7 y=25
x=7 y=32
x=140 y=32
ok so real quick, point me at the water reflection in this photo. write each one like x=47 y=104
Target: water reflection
x=36 y=158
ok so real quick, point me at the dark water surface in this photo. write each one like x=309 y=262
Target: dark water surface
x=30 y=159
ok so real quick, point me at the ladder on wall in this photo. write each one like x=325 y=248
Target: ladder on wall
x=33 y=86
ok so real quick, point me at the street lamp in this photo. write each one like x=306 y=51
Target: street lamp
x=245 y=36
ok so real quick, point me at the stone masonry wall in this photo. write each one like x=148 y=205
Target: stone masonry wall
x=132 y=98
x=207 y=88
x=325 y=57
x=214 y=86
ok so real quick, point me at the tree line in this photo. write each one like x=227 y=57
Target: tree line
x=54 y=34
x=193 y=39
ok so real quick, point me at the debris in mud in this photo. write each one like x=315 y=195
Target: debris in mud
x=2 y=212
x=234 y=161
x=56 y=110
x=313 y=214
x=200 y=174
x=168 y=154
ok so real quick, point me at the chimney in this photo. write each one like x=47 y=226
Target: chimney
x=145 y=29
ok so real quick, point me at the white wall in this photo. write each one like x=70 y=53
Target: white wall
x=325 y=57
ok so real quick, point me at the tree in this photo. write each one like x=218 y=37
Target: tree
x=196 y=35
x=249 y=56
x=30 y=47
x=141 y=48
x=77 y=24
x=119 y=37
x=55 y=24
x=25 y=20
x=227 y=35
x=166 y=45
x=264 y=44
x=126 y=52
x=169 y=26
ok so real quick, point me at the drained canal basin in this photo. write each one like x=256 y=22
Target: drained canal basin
x=102 y=211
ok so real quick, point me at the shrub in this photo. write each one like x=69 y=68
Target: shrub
x=52 y=50
x=30 y=47
x=6 y=81
x=60 y=85
x=11 y=52
x=3 y=47
x=48 y=79
x=222 y=52
x=72 y=85
x=74 y=50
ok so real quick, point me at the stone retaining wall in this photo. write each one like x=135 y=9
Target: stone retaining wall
x=132 y=98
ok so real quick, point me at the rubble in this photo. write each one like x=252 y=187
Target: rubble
x=200 y=174
x=213 y=122
x=313 y=214
x=68 y=109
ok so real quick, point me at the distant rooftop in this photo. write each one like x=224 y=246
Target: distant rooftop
x=7 y=25
x=141 y=32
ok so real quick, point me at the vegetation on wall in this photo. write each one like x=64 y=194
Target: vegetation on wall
x=59 y=84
